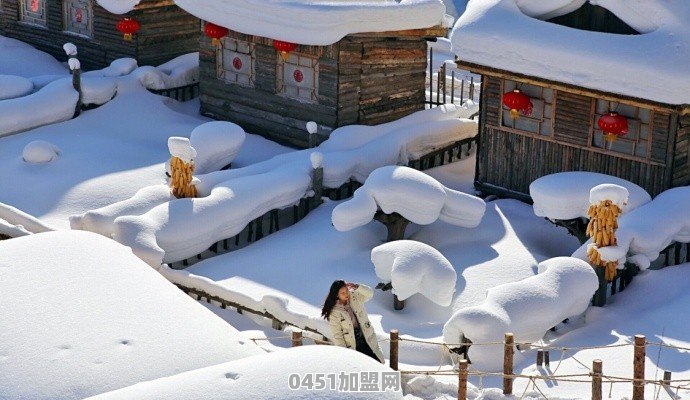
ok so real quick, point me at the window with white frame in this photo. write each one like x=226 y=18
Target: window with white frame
x=637 y=141
x=236 y=62
x=77 y=17
x=33 y=12
x=541 y=120
x=298 y=76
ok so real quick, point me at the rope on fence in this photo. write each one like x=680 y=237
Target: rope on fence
x=532 y=346
x=670 y=346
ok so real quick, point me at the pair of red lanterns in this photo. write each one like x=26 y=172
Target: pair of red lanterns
x=612 y=124
x=216 y=32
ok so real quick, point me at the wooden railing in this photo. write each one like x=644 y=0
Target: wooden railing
x=180 y=93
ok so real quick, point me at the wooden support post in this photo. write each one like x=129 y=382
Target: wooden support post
x=394 y=349
x=638 y=368
x=296 y=338
x=317 y=184
x=540 y=358
x=667 y=378
x=277 y=325
x=596 y=379
x=462 y=380
x=397 y=303
x=508 y=363
x=259 y=228
x=599 y=299
x=546 y=359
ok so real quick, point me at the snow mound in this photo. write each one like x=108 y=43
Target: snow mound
x=40 y=151
x=411 y=193
x=56 y=102
x=565 y=195
x=12 y=230
x=180 y=71
x=335 y=19
x=21 y=59
x=12 y=86
x=646 y=231
x=217 y=144
x=119 y=67
x=250 y=378
x=16 y=217
x=527 y=308
x=615 y=193
x=97 y=90
x=105 y=320
x=414 y=267
x=181 y=148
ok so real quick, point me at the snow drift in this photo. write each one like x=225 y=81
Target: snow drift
x=526 y=308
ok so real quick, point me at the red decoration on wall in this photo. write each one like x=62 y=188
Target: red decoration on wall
x=128 y=27
x=237 y=63
x=298 y=75
x=517 y=102
x=613 y=125
x=78 y=15
x=34 y=5
x=284 y=48
x=215 y=32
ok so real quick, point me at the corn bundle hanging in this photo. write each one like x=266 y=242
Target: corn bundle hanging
x=181 y=178
x=603 y=222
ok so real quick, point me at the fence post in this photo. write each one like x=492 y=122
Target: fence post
x=540 y=358
x=596 y=379
x=296 y=338
x=462 y=380
x=667 y=378
x=394 y=349
x=638 y=368
x=317 y=177
x=508 y=363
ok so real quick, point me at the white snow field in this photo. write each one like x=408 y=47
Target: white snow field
x=511 y=35
x=311 y=22
x=12 y=86
x=21 y=59
x=265 y=377
x=556 y=197
x=82 y=316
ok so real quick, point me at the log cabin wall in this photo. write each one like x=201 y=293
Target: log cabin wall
x=510 y=159
x=166 y=32
x=365 y=78
x=681 y=167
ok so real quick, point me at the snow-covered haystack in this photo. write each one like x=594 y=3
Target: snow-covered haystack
x=39 y=152
x=646 y=231
x=413 y=194
x=414 y=267
x=56 y=102
x=82 y=316
x=12 y=86
x=268 y=377
x=565 y=195
x=527 y=308
x=217 y=144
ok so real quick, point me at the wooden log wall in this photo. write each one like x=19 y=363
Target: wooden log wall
x=502 y=166
x=367 y=79
x=681 y=154
x=166 y=32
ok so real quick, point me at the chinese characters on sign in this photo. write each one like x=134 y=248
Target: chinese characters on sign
x=363 y=381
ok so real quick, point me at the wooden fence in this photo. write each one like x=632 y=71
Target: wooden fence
x=180 y=93
x=445 y=88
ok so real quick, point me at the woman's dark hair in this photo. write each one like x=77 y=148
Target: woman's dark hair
x=332 y=297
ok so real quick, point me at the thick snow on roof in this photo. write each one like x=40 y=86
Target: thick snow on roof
x=509 y=35
x=82 y=315
x=312 y=22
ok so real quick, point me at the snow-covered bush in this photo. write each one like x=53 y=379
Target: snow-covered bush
x=527 y=308
x=414 y=267
x=217 y=144
x=40 y=151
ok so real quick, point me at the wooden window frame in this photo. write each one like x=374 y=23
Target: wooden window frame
x=281 y=86
x=26 y=18
x=551 y=116
x=627 y=138
x=222 y=72
x=66 y=15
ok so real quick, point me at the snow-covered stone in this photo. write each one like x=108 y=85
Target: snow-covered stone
x=413 y=267
x=411 y=193
x=607 y=191
x=295 y=21
x=82 y=316
x=565 y=195
x=39 y=152
x=511 y=35
x=217 y=144
x=12 y=86
x=526 y=308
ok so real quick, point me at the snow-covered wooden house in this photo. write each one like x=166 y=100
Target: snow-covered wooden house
x=166 y=31
x=577 y=61
x=343 y=63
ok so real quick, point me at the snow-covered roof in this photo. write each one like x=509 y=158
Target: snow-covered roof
x=81 y=315
x=512 y=35
x=311 y=22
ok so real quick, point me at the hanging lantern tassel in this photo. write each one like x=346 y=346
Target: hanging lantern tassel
x=215 y=32
x=284 y=48
x=128 y=27
x=603 y=222
x=613 y=125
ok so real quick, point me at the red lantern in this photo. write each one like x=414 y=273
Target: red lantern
x=613 y=125
x=34 y=5
x=284 y=48
x=215 y=32
x=128 y=27
x=518 y=102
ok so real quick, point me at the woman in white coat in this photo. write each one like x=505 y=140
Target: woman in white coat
x=350 y=326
